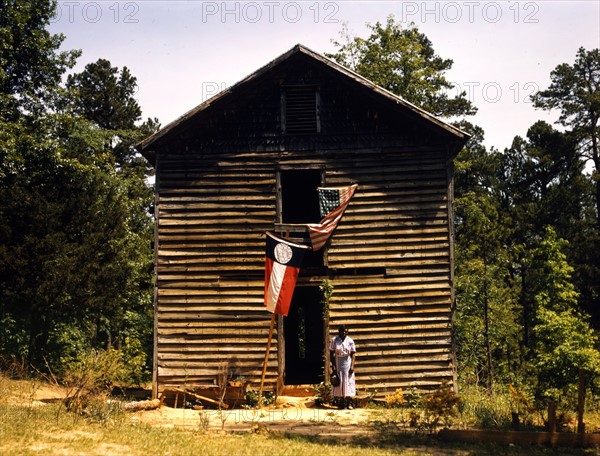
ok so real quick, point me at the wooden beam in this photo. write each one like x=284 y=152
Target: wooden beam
x=195 y=395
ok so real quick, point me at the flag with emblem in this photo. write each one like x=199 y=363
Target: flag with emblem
x=282 y=265
x=332 y=202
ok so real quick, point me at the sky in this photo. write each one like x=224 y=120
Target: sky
x=184 y=52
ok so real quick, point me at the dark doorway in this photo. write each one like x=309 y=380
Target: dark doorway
x=304 y=345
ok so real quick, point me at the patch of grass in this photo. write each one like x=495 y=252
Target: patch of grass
x=28 y=427
x=46 y=430
x=49 y=430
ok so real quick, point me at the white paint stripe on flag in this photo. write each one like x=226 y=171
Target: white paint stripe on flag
x=275 y=283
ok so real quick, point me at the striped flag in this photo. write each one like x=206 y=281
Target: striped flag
x=282 y=265
x=333 y=203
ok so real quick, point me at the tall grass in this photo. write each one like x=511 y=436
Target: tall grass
x=480 y=410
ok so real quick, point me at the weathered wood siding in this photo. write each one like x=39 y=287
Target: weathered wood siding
x=212 y=219
x=389 y=260
x=210 y=261
x=398 y=221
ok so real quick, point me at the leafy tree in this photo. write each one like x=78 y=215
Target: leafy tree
x=73 y=261
x=403 y=61
x=564 y=340
x=105 y=95
x=30 y=64
x=75 y=231
x=475 y=168
x=487 y=311
x=541 y=182
x=487 y=334
x=575 y=91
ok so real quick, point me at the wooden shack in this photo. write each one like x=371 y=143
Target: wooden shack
x=249 y=161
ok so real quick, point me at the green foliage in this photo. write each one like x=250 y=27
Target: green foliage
x=135 y=360
x=412 y=397
x=487 y=315
x=564 y=342
x=137 y=344
x=31 y=67
x=550 y=274
x=326 y=288
x=70 y=255
x=323 y=393
x=95 y=370
x=504 y=202
x=403 y=61
x=104 y=94
x=268 y=397
x=574 y=91
x=90 y=378
x=75 y=227
x=503 y=408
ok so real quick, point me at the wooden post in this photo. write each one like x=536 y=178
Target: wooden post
x=280 y=355
x=581 y=401
x=264 y=372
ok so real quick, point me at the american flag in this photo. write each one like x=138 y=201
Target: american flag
x=333 y=203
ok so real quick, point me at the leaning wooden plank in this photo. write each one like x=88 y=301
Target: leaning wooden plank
x=197 y=396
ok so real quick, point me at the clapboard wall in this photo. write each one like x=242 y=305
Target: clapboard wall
x=390 y=259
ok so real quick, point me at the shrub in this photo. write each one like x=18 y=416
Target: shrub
x=396 y=399
x=441 y=405
x=92 y=376
x=323 y=393
x=252 y=398
x=134 y=362
x=412 y=397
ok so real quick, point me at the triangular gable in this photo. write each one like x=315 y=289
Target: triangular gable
x=146 y=145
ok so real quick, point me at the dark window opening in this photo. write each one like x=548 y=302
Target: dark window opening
x=304 y=340
x=300 y=109
x=299 y=197
x=312 y=260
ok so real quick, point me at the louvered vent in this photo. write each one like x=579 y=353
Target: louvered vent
x=300 y=109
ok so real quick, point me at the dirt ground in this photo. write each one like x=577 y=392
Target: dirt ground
x=289 y=414
x=293 y=415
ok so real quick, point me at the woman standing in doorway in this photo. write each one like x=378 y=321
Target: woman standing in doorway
x=341 y=353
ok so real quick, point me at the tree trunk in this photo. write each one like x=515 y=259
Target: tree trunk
x=488 y=347
x=516 y=424
x=486 y=317
x=526 y=312
x=581 y=401
x=551 y=426
x=596 y=160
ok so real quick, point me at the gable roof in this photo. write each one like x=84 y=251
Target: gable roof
x=145 y=146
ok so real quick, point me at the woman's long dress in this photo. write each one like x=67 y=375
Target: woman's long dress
x=343 y=350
